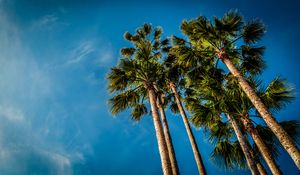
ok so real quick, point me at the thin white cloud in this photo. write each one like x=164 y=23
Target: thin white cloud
x=50 y=21
x=26 y=87
x=11 y=113
x=46 y=20
x=105 y=56
x=94 y=52
x=81 y=52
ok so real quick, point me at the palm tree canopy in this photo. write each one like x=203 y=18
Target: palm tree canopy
x=138 y=67
x=210 y=38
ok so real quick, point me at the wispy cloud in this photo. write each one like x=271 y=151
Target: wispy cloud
x=81 y=52
x=25 y=89
x=105 y=56
x=50 y=21
x=91 y=51
x=11 y=113
x=47 y=20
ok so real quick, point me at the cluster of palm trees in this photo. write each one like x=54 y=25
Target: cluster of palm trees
x=185 y=74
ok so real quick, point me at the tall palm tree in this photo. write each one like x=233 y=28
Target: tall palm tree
x=275 y=96
x=244 y=145
x=259 y=166
x=227 y=151
x=209 y=115
x=214 y=93
x=136 y=74
x=220 y=40
x=173 y=76
x=161 y=106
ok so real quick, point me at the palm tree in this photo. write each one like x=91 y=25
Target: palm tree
x=244 y=145
x=161 y=106
x=134 y=78
x=228 y=153
x=173 y=76
x=209 y=115
x=212 y=88
x=275 y=96
x=259 y=166
x=220 y=40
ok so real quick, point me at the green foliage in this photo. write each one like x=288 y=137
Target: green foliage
x=253 y=31
x=277 y=94
x=127 y=52
x=122 y=101
x=252 y=59
x=118 y=80
x=138 y=111
x=204 y=116
x=228 y=155
x=138 y=70
x=209 y=38
x=174 y=108
x=157 y=33
x=127 y=36
x=178 y=41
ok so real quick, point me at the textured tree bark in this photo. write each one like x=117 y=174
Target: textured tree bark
x=243 y=143
x=259 y=166
x=261 y=169
x=168 y=137
x=195 y=149
x=162 y=147
x=265 y=152
x=280 y=133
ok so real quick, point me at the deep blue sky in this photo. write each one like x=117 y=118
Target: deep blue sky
x=54 y=55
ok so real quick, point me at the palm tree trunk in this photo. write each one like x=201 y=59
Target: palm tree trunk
x=163 y=150
x=259 y=166
x=196 y=152
x=280 y=133
x=265 y=152
x=261 y=169
x=169 y=143
x=243 y=143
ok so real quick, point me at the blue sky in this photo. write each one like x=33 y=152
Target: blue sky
x=54 y=55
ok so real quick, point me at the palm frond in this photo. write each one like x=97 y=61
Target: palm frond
x=138 y=111
x=219 y=131
x=118 y=80
x=253 y=31
x=127 y=36
x=228 y=155
x=122 y=101
x=178 y=41
x=252 y=61
x=157 y=33
x=174 y=108
x=165 y=42
x=203 y=116
x=127 y=52
x=278 y=94
x=147 y=28
x=230 y=24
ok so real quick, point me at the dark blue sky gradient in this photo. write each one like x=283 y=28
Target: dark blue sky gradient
x=54 y=56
